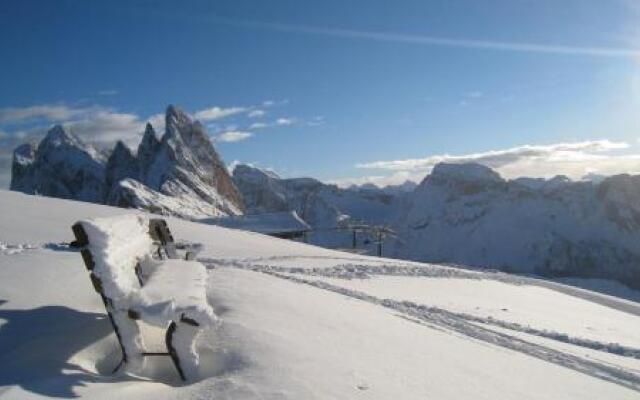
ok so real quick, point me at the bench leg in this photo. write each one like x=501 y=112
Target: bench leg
x=172 y=350
x=181 y=341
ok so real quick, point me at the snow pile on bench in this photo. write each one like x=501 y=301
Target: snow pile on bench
x=117 y=244
x=175 y=288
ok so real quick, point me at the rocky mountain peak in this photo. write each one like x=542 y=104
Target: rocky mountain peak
x=182 y=170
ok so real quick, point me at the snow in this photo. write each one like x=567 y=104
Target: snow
x=175 y=288
x=289 y=330
x=485 y=299
x=466 y=214
x=268 y=223
x=116 y=244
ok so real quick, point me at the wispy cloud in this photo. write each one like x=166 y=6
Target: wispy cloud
x=105 y=127
x=593 y=51
x=215 y=113
x=499 y=158
x=574 y=159
x=258 y=125
x=285 y=121
x=256 y=113
x=233 y=136
x=11 y=115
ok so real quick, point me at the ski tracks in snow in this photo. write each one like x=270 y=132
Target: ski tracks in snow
x=461 y=323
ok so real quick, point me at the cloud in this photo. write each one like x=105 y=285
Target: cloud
x=10 y=115
x=378 y=180
x=258 y=125
x=233 y=136
x=158 y=122
x=282 y=122
x=574 y=159
x=275 y=103
x=499 y=158
x=477 y=44
x=214 y=113
x=256 y=113
x=285 y=121
x=106 y=127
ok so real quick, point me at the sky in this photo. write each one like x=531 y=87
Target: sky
x=343 y=91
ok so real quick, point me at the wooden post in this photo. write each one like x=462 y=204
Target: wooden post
x=379 y=243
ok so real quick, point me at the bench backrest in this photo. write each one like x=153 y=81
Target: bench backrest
x=116 y=246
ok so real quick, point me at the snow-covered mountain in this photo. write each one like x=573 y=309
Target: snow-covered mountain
x=321 y=205
x=60 y=166
x=178 y=174
x=468 y=214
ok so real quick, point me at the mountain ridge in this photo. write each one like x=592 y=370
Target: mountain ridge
x=182 y=172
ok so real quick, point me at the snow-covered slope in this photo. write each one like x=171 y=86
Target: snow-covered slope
x=302 y=322
x=180 y=174
x=468 y=214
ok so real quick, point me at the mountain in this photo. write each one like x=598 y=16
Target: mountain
x=468 y=214
x=180 y=174
x=323 y=206
x=60 y=166
x=320 y=204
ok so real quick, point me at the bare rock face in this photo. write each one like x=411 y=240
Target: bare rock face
x=181 y=172
x=61 y=166
x=186 y=160
x=147 y=150
x=122 y=164
x=21 y=170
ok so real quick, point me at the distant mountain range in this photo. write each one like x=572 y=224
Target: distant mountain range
x=460 y=213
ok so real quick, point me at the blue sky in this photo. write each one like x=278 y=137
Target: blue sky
x=343 y=91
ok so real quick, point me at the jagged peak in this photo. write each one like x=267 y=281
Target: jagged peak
x=175 y=118
x=149 y=131
x=24 y=154
x=58 y=135
x=149 y=140
x=245 y=170
x=121 y=147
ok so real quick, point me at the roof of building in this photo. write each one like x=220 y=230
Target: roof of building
x=269 y=224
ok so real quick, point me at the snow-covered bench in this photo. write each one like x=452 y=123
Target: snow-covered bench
x=135 y=268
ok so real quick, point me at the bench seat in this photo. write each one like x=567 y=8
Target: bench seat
x=174 y=290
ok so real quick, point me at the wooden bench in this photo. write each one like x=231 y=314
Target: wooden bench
x=136 y=269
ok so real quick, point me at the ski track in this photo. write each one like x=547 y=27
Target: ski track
x=461 y=323
x=8 y=249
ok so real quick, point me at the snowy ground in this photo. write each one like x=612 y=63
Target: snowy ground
x=303 y=322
